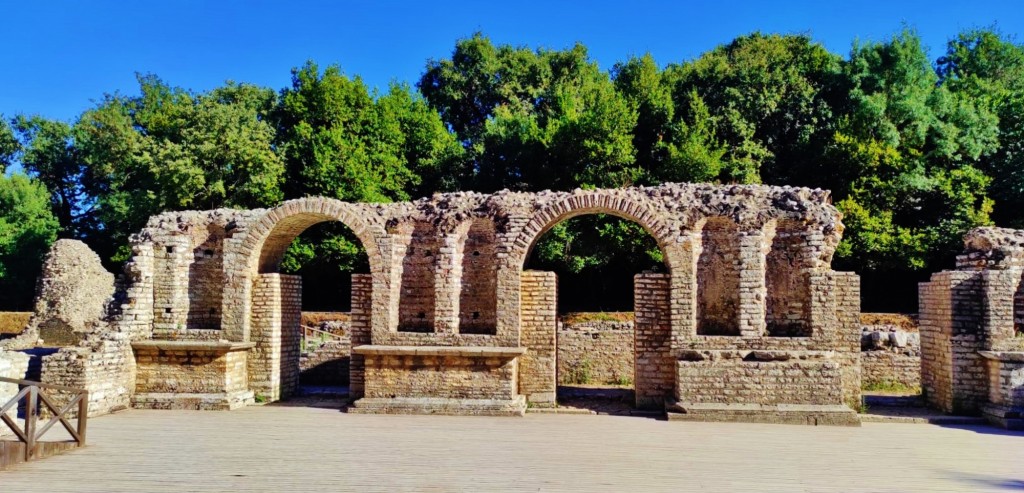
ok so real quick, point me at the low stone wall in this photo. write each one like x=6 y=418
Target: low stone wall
x=327 y=362
x=890 y=355
x=105 y=368
x=191 y=375
x=595 y=352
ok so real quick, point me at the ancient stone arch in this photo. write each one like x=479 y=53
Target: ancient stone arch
x=449 y=322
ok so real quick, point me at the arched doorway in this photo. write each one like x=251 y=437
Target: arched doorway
x=647 y=341
x=275 y=297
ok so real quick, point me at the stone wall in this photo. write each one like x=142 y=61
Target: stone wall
x=971 y=329
x=595 y=352
x=105 y=368
x=749 y=271
x=890 y=355
x=326 y=362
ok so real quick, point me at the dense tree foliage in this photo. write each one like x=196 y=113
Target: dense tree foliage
x=27 y=227
x=915 y=151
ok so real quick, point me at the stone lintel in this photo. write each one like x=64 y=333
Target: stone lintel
x=467 y=352
x=1003 y=356
x=219 y=346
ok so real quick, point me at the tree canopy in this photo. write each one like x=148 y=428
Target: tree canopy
x=915 y=151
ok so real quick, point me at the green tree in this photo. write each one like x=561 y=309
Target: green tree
x=770 y=99
x=341 y=140
x=9 y=145
x=906 y=152
x=987 y=68
x=170 y=149
x=48 y=153
x=27 y=228
x=533 y=119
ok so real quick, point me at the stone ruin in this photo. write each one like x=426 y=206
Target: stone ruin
x=749 y=323
x=972 y=330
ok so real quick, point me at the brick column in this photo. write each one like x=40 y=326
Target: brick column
x=362 y=305
x=654 y=367
x=276 y=314
x=170 y=283
x=753 y=291
x=447 y=284
x=538 y=322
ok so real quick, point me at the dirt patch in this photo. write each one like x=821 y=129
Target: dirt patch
x=905 y=321
x=13 y=322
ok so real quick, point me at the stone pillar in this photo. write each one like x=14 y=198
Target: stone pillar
x=135 y=315
x=360 y=331
x=953 y=311
x=447 y=284
x=847 y=310
x=170 y=283
x=539 y=319
x=654 y=366
x=276 y=315
x=753 y=291
x=683 y=286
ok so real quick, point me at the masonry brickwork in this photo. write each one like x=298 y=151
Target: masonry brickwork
x=890 y=355
x=595 y=352
x=972 y=329
x=446 y=320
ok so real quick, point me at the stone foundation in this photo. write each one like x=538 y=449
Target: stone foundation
x=191 y=375
x=441 y=380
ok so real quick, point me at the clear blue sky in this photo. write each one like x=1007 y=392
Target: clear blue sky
x=59 y=56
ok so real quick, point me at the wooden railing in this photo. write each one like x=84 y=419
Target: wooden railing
x=308 y=332
x=34 y=394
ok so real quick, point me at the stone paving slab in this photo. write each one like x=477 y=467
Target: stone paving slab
x=281 y=448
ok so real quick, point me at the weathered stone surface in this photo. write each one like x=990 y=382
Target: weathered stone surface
x=749 y=289
x=968 y=315
x=72 y=295
x=890 y=355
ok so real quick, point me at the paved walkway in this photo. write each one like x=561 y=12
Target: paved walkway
x=292 y=449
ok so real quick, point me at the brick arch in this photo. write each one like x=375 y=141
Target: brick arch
x=593 y=203
x=260 y=249
x=271 y=235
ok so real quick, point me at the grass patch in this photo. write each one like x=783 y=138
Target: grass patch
x=580 y=372
x=13 y=322
x=905 y=321
x=889 y=387
x=579 y=317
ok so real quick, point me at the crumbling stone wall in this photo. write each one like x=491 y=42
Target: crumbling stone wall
x=971 y=339
x=595 y=352
x=748 y=271
x=890 y=355
x=72 y=295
